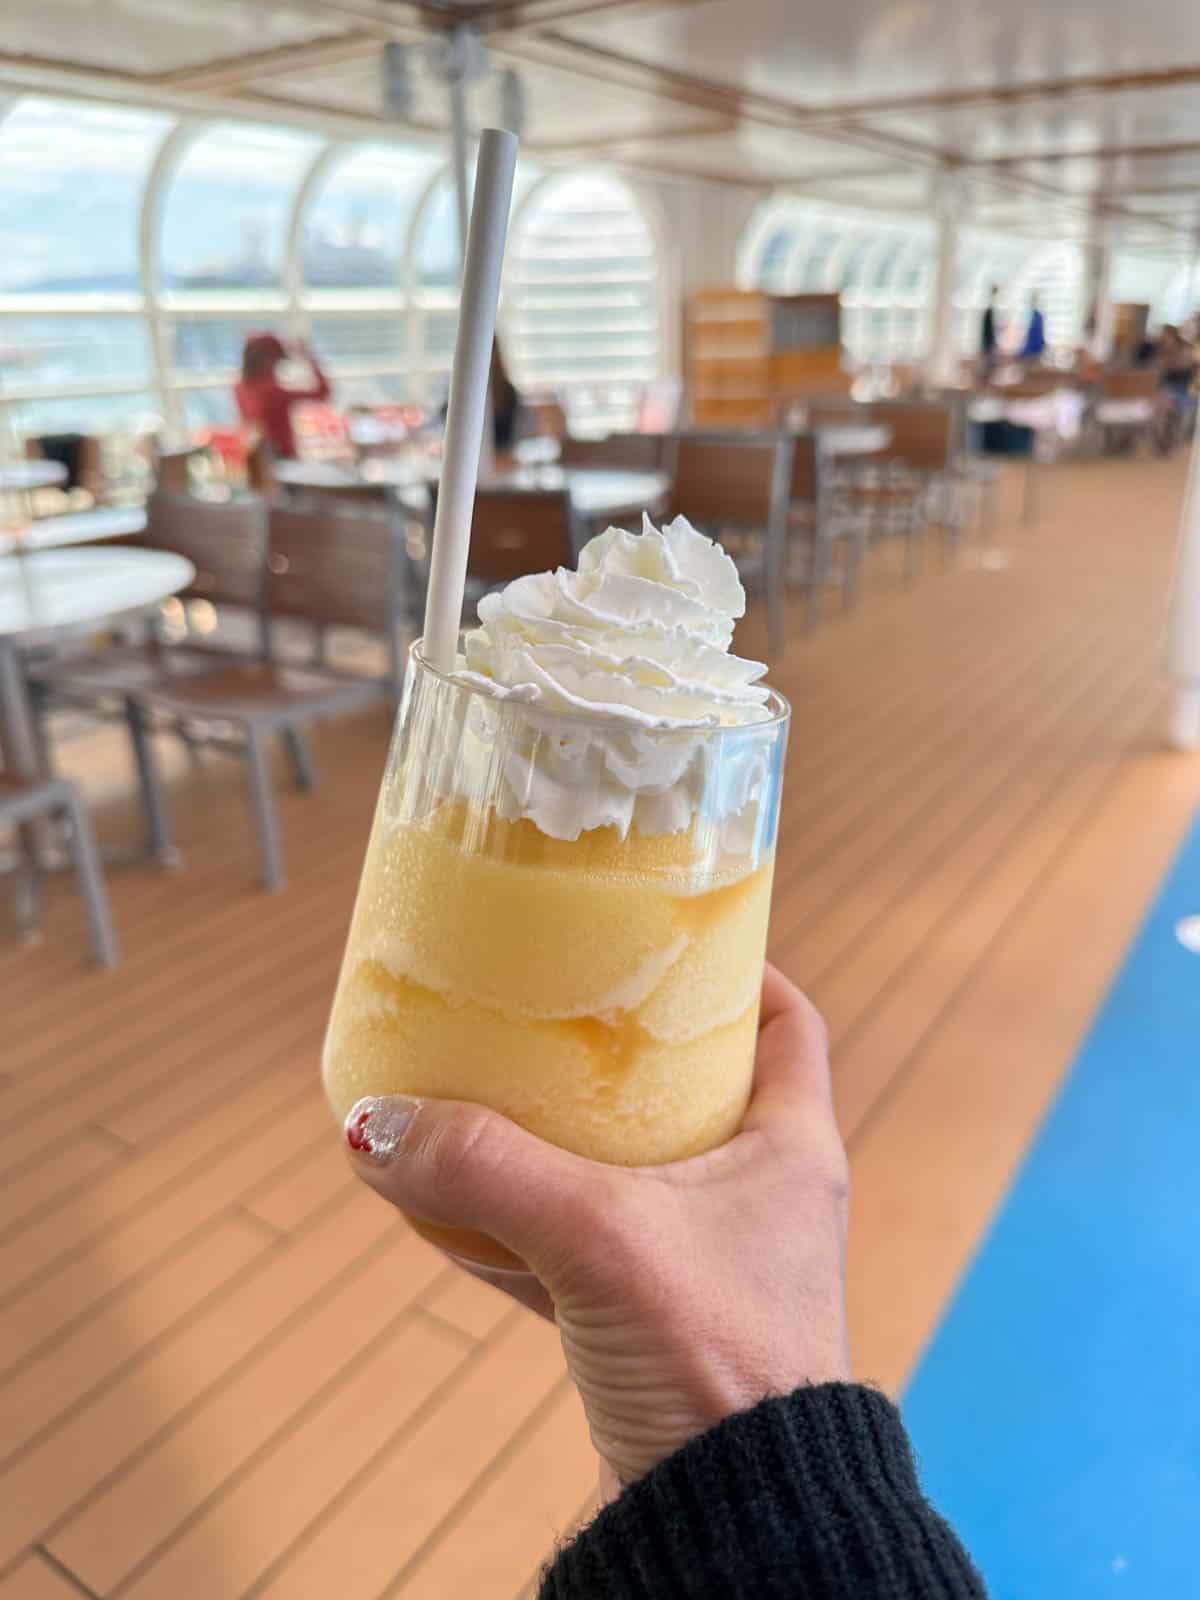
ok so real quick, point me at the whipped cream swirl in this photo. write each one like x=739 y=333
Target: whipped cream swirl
x=623 y=668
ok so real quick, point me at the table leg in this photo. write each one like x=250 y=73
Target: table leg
x=18 y=739
x=16 y=715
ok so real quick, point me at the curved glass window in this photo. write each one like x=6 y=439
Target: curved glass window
x=582 y=303
x=74 y=350
x=71 y=182
x=355 y=234
x=226 y=209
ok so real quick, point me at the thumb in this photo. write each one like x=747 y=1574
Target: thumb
x=463 y=1166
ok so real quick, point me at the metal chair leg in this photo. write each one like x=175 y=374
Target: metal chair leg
x=39 y=708
x=913 y=536
x=85 y=856
x=856 y=555
x=775 y=565
x=300 y=759
x=29 y=897
x=154 y=799
x=818 y=580
x=262 y=797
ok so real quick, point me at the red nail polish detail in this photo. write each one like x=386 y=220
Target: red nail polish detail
x=356 y=1134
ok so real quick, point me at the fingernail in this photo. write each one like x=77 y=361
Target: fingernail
x=375 y=1126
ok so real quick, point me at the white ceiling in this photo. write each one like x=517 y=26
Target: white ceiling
x=1051 y=110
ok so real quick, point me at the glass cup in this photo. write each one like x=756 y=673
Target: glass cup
x=601 y=989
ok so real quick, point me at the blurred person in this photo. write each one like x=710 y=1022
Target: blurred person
x=989 y=334
x=1034 y=346
x=506 y=402
x=265 y=402
x=1175 y=360
x=702 y=1312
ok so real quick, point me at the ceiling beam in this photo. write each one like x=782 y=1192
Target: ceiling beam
x=231 y=72
x=1086 y=87
x=1115 y=152
x=628 y=72
x=493 y=16
x=381 y=17
x=582 y=144
x=368 y=122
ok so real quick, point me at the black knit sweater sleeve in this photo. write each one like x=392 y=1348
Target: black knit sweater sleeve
x=810 y=1497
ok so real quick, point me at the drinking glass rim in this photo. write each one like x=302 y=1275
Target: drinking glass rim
x=778 y=706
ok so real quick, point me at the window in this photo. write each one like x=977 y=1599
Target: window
x=355 y=239
x=221 y=253
x=71 y=180
x=582 y=301
x=356 y=229
x=883 y=267
x=227 y=204
x=1164 y=283
x=74 y=352
x=879 y=265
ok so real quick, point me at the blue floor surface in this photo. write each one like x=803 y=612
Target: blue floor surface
x=1056 y=1414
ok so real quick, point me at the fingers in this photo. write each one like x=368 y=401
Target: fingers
x=463 y=1166
x=791 y=1070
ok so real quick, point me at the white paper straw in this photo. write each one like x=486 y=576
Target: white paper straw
x=468 y=395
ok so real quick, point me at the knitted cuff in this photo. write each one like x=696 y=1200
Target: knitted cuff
x=813 y=1496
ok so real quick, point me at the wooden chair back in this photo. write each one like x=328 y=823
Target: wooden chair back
x=1136 y=385
x=260 y=472
x=806 y=485
x=225 y=540
x=834 y=414
x=332 y=566
x=173 y=469
x=922 y=433
x=349 y=496
x=725 y=481
x=630 y=452
x=517 y=531
x=1034 y=386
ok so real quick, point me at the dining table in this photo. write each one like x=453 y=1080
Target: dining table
x=104 y=525
x=22 y=477
x=596 y=493
x=47 y=596
x=842 y=441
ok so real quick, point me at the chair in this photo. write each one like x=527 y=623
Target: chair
x=21 y=802
x=260 y=470
x=173 y=468
x=1125 y=408
x=328 y=569
x=82 y=458
x=226 y=542
x=518 y=531
x=743 y=482
x=813 y=513
x=894 y=493
x=628 y=452
x=344 y=495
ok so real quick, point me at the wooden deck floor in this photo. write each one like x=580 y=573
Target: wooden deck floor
x=227 y=1371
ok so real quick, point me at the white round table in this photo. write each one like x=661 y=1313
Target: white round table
x=50 y=595
x=595 y=492
x=841 y=440
x=388 y=472
x=108 y=523
x=23 y=476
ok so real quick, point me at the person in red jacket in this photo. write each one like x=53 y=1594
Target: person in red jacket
x=263 y=401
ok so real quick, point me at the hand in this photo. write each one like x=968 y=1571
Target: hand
x=683 y=1293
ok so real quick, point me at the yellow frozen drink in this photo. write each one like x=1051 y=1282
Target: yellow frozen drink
x=563 y=910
